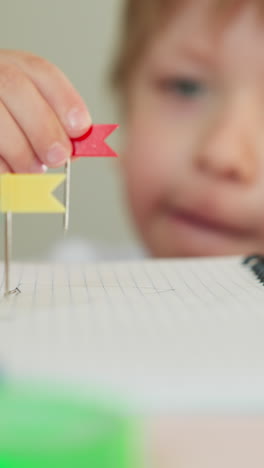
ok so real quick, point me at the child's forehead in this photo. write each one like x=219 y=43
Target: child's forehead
x=146 y=20
x=214 y=8
x=214 y=14
x=234 y=35
x=215 y=18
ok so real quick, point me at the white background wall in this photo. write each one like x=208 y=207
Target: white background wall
x=80 y=37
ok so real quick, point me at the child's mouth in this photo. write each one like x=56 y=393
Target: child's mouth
x=209 y=225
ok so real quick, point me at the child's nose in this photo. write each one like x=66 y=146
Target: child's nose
x=229 y=150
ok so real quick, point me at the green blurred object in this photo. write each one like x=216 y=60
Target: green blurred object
x=43 y=430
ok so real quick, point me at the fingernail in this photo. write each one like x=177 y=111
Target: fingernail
x=57 y=155
x=38 y=168
x=79 y=119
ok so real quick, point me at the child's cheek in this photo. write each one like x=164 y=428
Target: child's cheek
x=146 y=169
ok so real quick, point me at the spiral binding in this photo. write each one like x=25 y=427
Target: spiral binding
x=256 y=263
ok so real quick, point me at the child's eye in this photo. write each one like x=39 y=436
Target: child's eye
x=184 y=87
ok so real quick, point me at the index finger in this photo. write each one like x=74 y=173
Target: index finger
x=58 y=91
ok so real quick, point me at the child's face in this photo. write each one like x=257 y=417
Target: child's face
x=194 y=155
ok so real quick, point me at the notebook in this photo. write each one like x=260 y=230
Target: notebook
x=170 y=334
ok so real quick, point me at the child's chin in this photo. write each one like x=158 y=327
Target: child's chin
x=178 y=246
x=191 y=252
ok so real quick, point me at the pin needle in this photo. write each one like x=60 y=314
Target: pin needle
x=8 y=244
x=67 y=187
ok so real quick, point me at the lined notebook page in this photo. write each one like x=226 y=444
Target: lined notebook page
x=162 y=333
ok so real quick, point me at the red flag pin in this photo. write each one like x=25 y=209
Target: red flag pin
x=93 y=144
x=90 y=145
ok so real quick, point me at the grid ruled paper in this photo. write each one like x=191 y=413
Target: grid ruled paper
x=178 y=333
x=180 y=283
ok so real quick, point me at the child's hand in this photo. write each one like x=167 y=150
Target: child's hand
x=39 y=112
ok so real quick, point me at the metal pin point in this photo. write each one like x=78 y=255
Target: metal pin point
x=67 y=186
